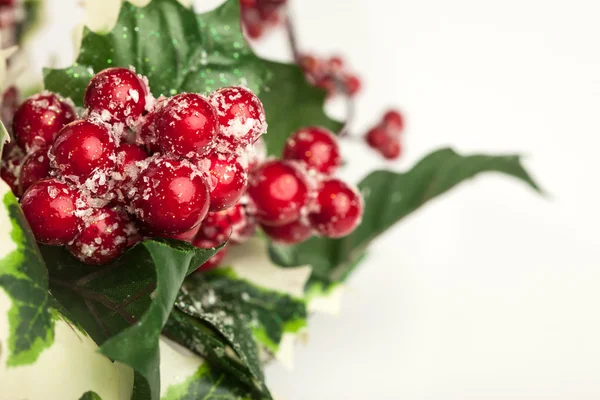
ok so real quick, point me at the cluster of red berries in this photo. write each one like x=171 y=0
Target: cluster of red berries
x=132 y=165
x=329 y=74
x=385 y=136
x=259 y=16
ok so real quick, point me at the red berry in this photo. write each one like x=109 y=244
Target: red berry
x=39 y=119
x=35 y=168
x=50 y=207
x=228 y=180
x=279 y=191
x=391 y=149
x=85 y=150
x=338 y=209
x=187 y=126
x=336 y=63
x=254 y=30
x=315 y=146
x=215 y=260
x=116 y=94
x=376 y=137
x=103 y=239
x=309 y=63
x=292 y=233
x=172 y=196
x=10 y=167
x=188 y=236
x=248 y=3
x=352 y=84
x=393 y=121
x=9 y=105
x=126 y=169
x=241 y=116
x=147 y=132
x=328 y=84
x=221 y=225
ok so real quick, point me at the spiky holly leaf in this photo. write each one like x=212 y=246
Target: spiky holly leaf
x=124 y=305
x=182 y=52
x=389 y=197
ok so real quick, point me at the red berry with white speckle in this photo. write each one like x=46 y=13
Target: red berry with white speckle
x=315 y=146
x=215 y=260
x=39 y=118
x=280 y=191
x=241 y=116
x=10 y=167
x=126 y=169
x=292 y=233
x=116 y=94
x=172 y=196
x=222 y=225
x=338 y=209
x=187 y=126
x=50 y=207
x=35 y=168
x=228 y=181
x=103 y=239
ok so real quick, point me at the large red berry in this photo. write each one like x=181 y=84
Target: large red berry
x=338 y=209
x=215 y=260
x=116 y=94
x=40 y=118
x=187 y=126
x=35 y=168
x=221 y=225
x=393 y=121
x=188 y=236
x=228 y=180
x=241 y=116
x=172 y=196
x=10 y=166
x=85 y=150
x=51 y=208
x=315 y=146
x=279 y=191
x=103 y=239
x=292 y=233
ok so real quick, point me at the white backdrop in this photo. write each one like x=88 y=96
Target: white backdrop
x=490 y=292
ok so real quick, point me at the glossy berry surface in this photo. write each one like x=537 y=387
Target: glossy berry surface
x=103 y=238
x=50 y=207
x=241 y=116
x=172 y=196
x=39 y=119
x=393 y=121
x=215 y=260
x=35 y=168
x=187 y=126
x=221 y=225
x=376 y=137
x=338 y=209
x=279 y=191
x=228 y=181
x=316 y=147
x=292 y=233
x=392 y=149
x=188 y=236
x=126 y=169
x=83 y=149
x=116 y=94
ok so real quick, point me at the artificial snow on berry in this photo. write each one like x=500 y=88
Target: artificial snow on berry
x=338 y=209
x=229 y=180
x=223 y=225
x=36 y=167
x=315 y=146
x=10 y=167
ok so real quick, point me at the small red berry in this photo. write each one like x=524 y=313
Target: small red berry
x=254 y=30
x=338 y=209
x=279 y=191
x=10 y=167
x=292 y=233
x=215 y=260
x=103 y=239
x=147 y=132
x=241 y=116
x=248 y=3
x=221 y=225
x=315 y=146
x=126 y=169
x=187 y=126
x=391 y=149
x=187 y=236
x=39 y=119
x=85 y=150
x=116 y=94
x=352 y=84
x=393 y=121
x=309 y=63
x=35 y=168
x=336 y=63
x=228 y=180
x=376 y=137
x=328 y=84
x=172 y=196
x=50 y=207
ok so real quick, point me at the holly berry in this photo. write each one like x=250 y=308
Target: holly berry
x=187 y=126
x=376 y=137
x=116 y=94
x=222 y=225
x=338 y=209
x=391 y=149
x=126 y=168
x=35 y=168
x=292 y=233
x=50 y=207
x=315 y=146
x=228 y=180
x=280 y=191
x=39 y=118
x=241 y=116
x=103 y=239
x=10 y=167
x=172 y=196
x=352 y=84
x=187 y=236
x=393 y=121
x=215 y=260
x=85 y=150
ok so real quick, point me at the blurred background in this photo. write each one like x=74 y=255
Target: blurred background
x=491 y=291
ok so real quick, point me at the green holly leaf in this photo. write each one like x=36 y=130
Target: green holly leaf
x=24 y=278
x=389 y=197
x=125 y=304
x=182 y=52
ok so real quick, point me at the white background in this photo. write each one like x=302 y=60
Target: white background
x=490 y=292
